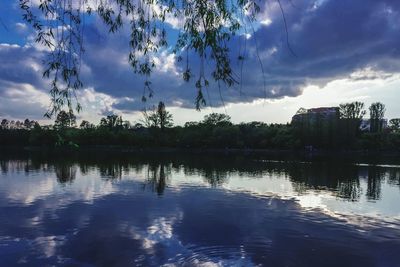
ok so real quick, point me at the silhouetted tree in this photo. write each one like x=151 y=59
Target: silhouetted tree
x=164 y=117
x=4 y=123
x=214 y=131
x=137 y=126
x=395 y=125
x=376 y=113
x=191 y=124
x=126 y=125
x=217 y=119
x=158 y=118
x=351 y=115
x=111 y=122
x=64 y=120
x=150 y=118
x=86 y=125
x=27 y=123
x=353 y=110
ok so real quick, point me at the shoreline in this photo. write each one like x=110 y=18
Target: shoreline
x=232 y=151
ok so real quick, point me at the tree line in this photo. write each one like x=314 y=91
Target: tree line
x=214 y=131
x=345 y=127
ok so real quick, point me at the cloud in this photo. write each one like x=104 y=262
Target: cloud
x=23 y=92
x=21 y=64
x=21 y=27
x=332 y=40
x=21 y=101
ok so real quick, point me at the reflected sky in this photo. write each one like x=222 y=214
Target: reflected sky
x=197 y=211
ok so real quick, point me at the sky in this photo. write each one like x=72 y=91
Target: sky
x=343 y=51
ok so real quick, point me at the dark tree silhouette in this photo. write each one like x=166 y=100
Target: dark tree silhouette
x=164 y=117
x=351 y=115
x=158 y=118
x=394 y=125
x=217 y=119
x=377 y=113
x=86 y=125
x=112 y=122
x=65 y=120
x=353 y=110
x=4 y=123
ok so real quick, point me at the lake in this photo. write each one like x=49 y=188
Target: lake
x=124 y=209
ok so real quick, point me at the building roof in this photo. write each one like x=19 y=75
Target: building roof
x=323 y=109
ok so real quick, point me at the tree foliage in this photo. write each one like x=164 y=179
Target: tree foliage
x=376 y=113
x=206 y=28
x=215 y=131
x=164 y=117
x=64 y=120
x=86 y=125
x=394 y=125
x=158 y=117
x=351 y=115
x=112 y=122
x=217 y=119
x=353 y=110
x=26 y=124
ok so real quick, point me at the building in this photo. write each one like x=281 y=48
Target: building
x=365 y=125
x=313 y=114
x=329 y=114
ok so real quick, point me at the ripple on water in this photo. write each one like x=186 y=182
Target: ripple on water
x=221 y=255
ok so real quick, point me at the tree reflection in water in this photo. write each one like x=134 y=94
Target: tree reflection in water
x=65 y=173
x=340 y=179
x=111 y=171
x=375 y=178
x=394 y=176
x=156 y=177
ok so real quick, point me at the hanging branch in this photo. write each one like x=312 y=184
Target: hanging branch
x=59 y=26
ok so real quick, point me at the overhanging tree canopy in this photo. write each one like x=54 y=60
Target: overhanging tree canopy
x=207 y=27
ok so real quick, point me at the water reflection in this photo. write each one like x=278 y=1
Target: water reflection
x=215 y=211
x=341 y=180
x=157 y=177
x=375 y=178
x=65 y=172
x=394 y=176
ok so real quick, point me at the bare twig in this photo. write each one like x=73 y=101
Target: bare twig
x=286 y=28
x=4 y=25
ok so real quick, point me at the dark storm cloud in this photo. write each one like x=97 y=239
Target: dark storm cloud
x=21 y=64
x=334 y=39
x=330 y=39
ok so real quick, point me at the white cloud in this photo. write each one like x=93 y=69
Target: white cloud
x=21 y=27
x=266 y=21
x=166 y=63
x=19 y=101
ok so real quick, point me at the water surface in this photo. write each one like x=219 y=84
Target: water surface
x=197 y=210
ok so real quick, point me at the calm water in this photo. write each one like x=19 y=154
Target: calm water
x=171 y=210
